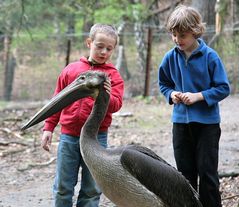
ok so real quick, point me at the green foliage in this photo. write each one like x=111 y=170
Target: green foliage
x=3 y=104
x=140 y=13
x=35 y=20
x=223 y=10
x=111 y=15
x=227 y=48
x=9 y=15
x=39 y=39
x=149 y=99
x=38 y=18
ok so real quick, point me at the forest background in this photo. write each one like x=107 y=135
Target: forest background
x=38 y=38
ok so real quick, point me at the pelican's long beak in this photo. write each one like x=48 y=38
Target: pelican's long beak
x=76 y=90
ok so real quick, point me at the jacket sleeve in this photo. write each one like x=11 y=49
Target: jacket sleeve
x=52 y=121
x=166 y=85
x=117 y=92
x=220 y=87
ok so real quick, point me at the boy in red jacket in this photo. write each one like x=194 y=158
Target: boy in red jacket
x=101 y=42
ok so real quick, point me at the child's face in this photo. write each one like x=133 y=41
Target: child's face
x=185 y=41
x=101 y=48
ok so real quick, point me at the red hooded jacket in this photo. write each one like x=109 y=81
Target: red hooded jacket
x=73 y=117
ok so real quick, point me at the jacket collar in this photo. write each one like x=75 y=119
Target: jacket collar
x=200 y=49
x=103 y=65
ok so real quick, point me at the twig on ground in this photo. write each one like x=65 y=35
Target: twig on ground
x=9 y=131
x=230 y=197
x=31 y=165
x=11 y=152
x=4 y=143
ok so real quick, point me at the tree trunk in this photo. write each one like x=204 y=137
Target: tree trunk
x=1 y=40
x=121 y=62
x=233 y=12
x=70 y=35
x=9 y=65
x=59 y=38
x=148 y=63
x=87 y=24
x=68 y=51
x=139 y=40
x=207 y=10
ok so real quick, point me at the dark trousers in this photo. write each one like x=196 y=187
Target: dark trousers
x=196 y=153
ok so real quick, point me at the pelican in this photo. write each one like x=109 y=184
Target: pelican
x=130 y=176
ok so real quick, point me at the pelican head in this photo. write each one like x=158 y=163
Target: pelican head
x=86 y=84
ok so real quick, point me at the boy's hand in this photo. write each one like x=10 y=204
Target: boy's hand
x=191 y=98
x=46 y=140
x=175 y=95
x=107 y=86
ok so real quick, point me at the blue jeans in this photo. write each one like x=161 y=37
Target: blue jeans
x=69 y=160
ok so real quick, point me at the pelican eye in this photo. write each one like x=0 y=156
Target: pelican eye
x=82 y=78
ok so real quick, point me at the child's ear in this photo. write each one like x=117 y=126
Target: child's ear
x=88 y=42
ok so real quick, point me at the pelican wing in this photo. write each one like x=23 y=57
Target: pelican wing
x=159 y=177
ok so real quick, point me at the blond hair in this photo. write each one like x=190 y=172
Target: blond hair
x=186 y=19
x=105 y=29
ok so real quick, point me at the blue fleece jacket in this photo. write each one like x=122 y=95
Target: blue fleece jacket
x=202 y=72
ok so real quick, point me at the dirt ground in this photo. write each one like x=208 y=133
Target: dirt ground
x=27 y=172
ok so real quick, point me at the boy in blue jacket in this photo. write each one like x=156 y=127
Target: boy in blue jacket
x=193 y=78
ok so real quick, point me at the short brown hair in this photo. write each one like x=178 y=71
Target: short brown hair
x=104 y=28
x=186 y=19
